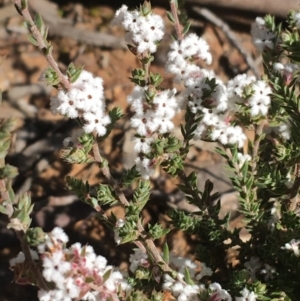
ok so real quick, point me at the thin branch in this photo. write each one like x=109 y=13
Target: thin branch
x=151 y=248
x=40 y=281
x=232 y=38
x=106 y=172
x=149 y=244
x=258 y=133
x=42 y=44
x=177 y=25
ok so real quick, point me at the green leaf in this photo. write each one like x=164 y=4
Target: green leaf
x=107 y=274
x=38 y=21
x=170 y=17
x=142 y=194
x=244 y=169
x=187 y=277
x=129 y=176
x=8 y=172
x=166 y=253
x=186 y=28
x=156 y=231
x=9 y=125
x=105 y=195
x=32 y=40
x=81 y=189
x=49 y=49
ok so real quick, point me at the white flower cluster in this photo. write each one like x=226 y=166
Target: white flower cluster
x=214 y=121
x=288 y=70
x=262 y=37
x=77 y=272
x=179 y=289
x=246 y=295
x=85 y=99
x=296 y=19
x=223 y=102
x=182 y=55
x=143 y=32
x=150 y=119
x=138 y=259
x=186 y=292
x=154 y=117
x=259 y=100
x=293 y=245
x=192 y=292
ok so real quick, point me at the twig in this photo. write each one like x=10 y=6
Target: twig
x=177 y=25
x=232 y=38
x=149 y=244
x=42 y=44
x=41 y=283
x=258 y=132
x=25 y=247
x=151 y=248
x=106 y=172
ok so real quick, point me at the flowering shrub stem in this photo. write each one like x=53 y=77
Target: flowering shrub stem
x=177 y=25
x=32 y=266
x=41 y=41
x=149 y=245
x=106 y=172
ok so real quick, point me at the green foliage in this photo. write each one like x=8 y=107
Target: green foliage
x=141 y=195
x=130 y=176
x=105 y=195
x=80 y=152
x=73 y=73
x=35 y=236
x=157 y=231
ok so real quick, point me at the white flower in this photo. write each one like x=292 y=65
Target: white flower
x=90 y=296
x=235 y=89
x=262 y=37
x=246 y=295
x=296 y=18
x=143 y=32
x=205 y=271
x=242 y=158
x=139 y=258
x=84 y=99
x=218 y=292
x=21 y=258
x=59 y=235
x=142 y=144
x=145 y=167
x=190 y=48
x=285 y=131
x=119 y=16
x=96 y=122
x=293 y=245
